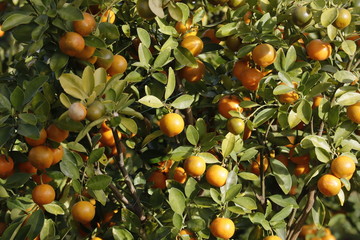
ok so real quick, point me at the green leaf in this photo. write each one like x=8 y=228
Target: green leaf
x=5 y=134
x=175 y=11
x=156 y=7
x=48 y=229
x=33 y=86
x=183 y=102
x=263 y=116
x=170 y=86
x=36 y=222
x=93 y=41
x=283 y=214
x=5 y=103
x=54 y=208
x=68 y=165
x=290 y=58
x=181 y=153
x=304 y=111
x=279 y=63
x=145 y=55
x=151 y=137
x=245 y=202
x=163 y=58
x=165 y=29
x=151 y=101
x=99 y=182
x=228 y=29
x=331 y=32
x=185 y=57
x=328 y=16
x=177 y=201
x=58 y=61
x=248 y=176
x=191 y=188
x=208 y=157
x=88 y=127
x=109 y=31
x=144 y=37
x=129 y=124
x=243 y=51
x=28 y=130
x=286 y=78
x=284 y=201
x=177 y=221
x=17 y=180
x=95 y=155
x=344 y=76
x=88 y=81
x=233 y=191
x=17 y=98
x=130 y=220
x=192 y=135
x=348 y=98
x=73 y=85
x=311 y=141
x=293 y=119
x=282 y=175
x=16 y=19
x=121 y=234
x=349 y=47
x=215 y=195
x=70 y=13
x=196 y=225
x=133 y=77
x=322 y=155
x=344 y=131
x=281 y=89
x=228 y=144
x=184 y=10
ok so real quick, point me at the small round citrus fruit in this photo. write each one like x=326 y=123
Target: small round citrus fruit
x=77 y=111
x=222 y=228
x=194 y=44
x=301 y=16
x=172 y=124
x=255 y=165
x=85 y=26
x=118 y=66
x=105 y=58
x=353 y=112
x=182 y=28
x=329 y=185
x=216 y=175
x=250 y=78
x=195 y=166
x=95 y=111
x=343 y=20
x=191 y=74
x=41 y=157
x=227 y=104
x=36 y=142
x=233 y=43
x=41 y=179
x=318 y=50
x=143 y=9
x=158 y=180
x=239 y=68
x=301 y=169
x=83 y=212
x=283 y=158
x=180 y=175
x=6 y=166
x=86 y=53
x=43 y=194
x=71 y=43
x=343 y=167
x=58 y=154
x=187 y=233
x=108 y=16
x=264 y=55
x=56 y=134
x=26 y=167
x=235 y=125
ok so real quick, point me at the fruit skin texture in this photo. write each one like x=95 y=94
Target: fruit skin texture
x=95 y=111
x=183 y=28
x=143 y=9
x=194 y=44
x=108 y=16
x=239 y=68
x=318 y=50
x=353 y=112
x=180 y=175
x=211 y=34
x=255 y=165
x=86 y=53
x=222 y=228
x=329 y=185
x=216 y=175
x=77 y=111
x=250 y=79
x=301 y=16
x=56 y=134
x=301 y=169
x=58 y=154
x=193 y=74
x=272 y=238
x=229 y=103
x=86 y=26
x=36 y=142
x=83 y=212
x=43 y=194
x=233 y=43
x=158 y=179
x=264 y=55
x=172 y=124
x=289 y=97
x=6 y=166
x=235 y=126
x=119 y=65
x=71 y=43
x=195 y=166
x=186 y=233
x=41 y=157
x=343 y=167
x=343 y=20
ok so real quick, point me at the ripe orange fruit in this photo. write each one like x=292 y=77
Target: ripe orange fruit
x=36 y=142
x=107 y=137
x=264 y=55
x=2 y=33
x=6 y=166
x=180 y=175
x=329 y=185
x=211 y=35
x=250 y=78
x=165 y=166
x=26 y=167
x=308 y=230
x=343 y=20
x=77 y=111
x=239 y=68
x=247 y=133
x=272 y=238
x=301 y=169
x=353 y=111
x=195 y=166
x=183 y=28
x=71 y=43
x=235 y=125
x=227 y=104
x=83 y=212
x=43 y=194
x=317 y=101
x=158 y=179
x=56 y=134
x=191 y=74
x=289 y=97
x=282 y=158
x=143 y=9
x=172 y=124
x=96 y=238
x=86 y=54
x=41 y=157
x=216 y=175
x=318 y=50
x=329 y=237
x=343 y=167
x=108 y=16
x=186 y=233
x=194 y=44
x=222 y=228
x=58 y=154
x=118 y=66
x=295 y=158
x=40 y=179
x=85 y=26
x=255 y=165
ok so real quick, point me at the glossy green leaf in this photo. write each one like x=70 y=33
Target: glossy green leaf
x=99 y=182
x=328 y=16
x=54 y=209
x=151 y=101
x=192 y=135
x=183 y=102
x=16 y=19
x=282 y=175
x=228 y=144
x=177 y=201
x=170 y=86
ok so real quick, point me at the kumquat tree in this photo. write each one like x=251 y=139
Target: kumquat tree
x=179 y=119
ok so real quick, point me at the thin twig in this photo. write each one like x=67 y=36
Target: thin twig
x=118 y=194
